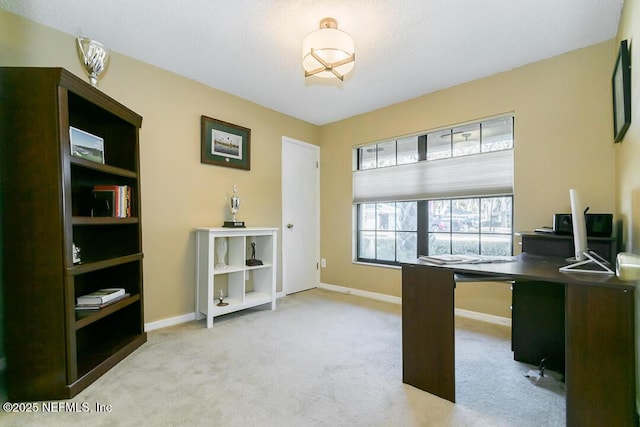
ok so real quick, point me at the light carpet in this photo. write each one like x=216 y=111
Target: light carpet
x=321 y=359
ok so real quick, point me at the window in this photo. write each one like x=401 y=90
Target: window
x=470 y=226
x=387 y=232
x=390 y=153
x=448 y=191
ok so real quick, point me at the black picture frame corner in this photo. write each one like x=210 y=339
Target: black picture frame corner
x=621 y=92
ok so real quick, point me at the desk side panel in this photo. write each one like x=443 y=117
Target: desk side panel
x=428 y=353
x=538 y=323
x=600 y=355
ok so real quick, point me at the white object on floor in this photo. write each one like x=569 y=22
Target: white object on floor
x=545 y=378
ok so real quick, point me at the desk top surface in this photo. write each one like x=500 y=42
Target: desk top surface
x=554 y=236
x=532 y=267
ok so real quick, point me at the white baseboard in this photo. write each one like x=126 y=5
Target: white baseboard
x=172 y=321
x=358 y=292
x=483 y=317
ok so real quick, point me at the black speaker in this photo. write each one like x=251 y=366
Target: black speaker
x=598 y=225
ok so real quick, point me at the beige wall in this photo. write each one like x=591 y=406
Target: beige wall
x=628 y=157
x=562 y=110
x=178 y=192
x=628 y=151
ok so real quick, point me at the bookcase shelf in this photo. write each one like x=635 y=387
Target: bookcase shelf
x=87 y=267
x=102 y=220
x=85 y=318
x=52 y=350
x=243 y=286
x=103 y=168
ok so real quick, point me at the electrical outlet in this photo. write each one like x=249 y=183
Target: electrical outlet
x=323 y=263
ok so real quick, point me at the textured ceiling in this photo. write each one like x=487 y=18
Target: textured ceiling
x=404 y=49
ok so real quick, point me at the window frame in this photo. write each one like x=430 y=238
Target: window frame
x=423 y=232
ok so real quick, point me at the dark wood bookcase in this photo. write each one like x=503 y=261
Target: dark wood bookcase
x=52 y=350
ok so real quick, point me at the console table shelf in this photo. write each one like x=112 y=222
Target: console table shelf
x=243 y=286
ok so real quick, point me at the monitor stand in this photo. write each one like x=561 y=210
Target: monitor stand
x=583 y=266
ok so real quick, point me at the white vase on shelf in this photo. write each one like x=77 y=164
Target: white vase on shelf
x=221 y=252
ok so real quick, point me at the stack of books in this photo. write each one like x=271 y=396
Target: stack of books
x=112 y=200
x=100 y=299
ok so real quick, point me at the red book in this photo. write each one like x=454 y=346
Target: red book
x=128 y=201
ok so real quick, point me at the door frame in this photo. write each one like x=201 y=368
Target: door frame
x=285 y=141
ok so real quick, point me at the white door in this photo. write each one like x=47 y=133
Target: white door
x=300 y=215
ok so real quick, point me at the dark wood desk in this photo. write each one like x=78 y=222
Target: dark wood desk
x=599 y=334
x=562 y=245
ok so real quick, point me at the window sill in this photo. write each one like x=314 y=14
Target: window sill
x=373 y=264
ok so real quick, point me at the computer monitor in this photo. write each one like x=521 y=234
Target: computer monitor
x=579 y=224
x=586 y=261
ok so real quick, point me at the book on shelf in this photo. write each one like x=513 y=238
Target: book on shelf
x=127 y=200
x=100 y=296
x=112 y=200
x=103 y=305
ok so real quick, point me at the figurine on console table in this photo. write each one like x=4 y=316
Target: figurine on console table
x=221 y=297
x=253 y=261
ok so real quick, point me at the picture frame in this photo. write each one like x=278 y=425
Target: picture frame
x=85 y=145
x=621 y=91
x=225 y=144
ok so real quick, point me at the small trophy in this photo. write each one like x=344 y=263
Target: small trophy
x=234 y=204
x=221 y=297
x=76 y=254
x=253 y=261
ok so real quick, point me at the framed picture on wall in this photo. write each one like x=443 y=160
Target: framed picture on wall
x=225 y=144
x=621 y=88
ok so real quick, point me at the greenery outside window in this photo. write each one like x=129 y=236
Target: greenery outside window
x=387 y=232
x=394 y=232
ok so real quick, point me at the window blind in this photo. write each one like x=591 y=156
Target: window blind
x=482 y=174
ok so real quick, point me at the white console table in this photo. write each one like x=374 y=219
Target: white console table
x=243 y=286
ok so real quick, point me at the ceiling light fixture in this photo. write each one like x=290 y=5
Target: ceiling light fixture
x=328 y=52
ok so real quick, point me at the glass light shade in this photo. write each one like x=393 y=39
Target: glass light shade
x=332 y=46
